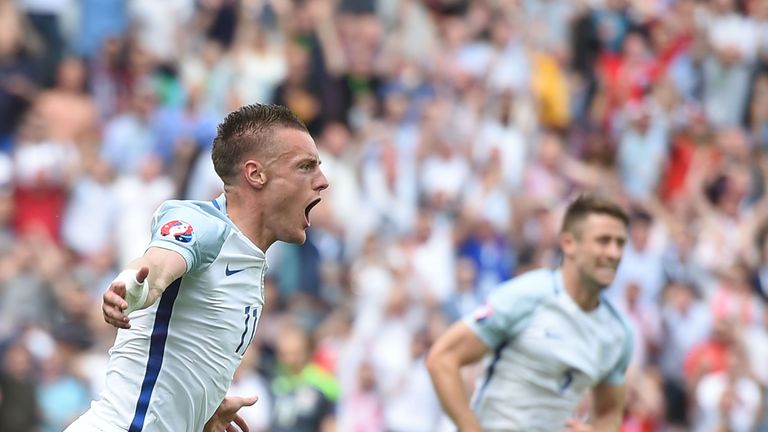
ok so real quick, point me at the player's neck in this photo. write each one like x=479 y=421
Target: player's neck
x=249 y=222
x=582 y=292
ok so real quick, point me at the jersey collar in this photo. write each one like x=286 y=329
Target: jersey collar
x=220 y=202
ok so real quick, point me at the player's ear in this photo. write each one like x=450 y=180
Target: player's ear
x=567 y=242
x=254 y=174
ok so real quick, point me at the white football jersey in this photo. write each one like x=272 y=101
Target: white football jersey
x=547 y=352
x=173 y=367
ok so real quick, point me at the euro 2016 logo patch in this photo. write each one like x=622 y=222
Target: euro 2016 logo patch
x=180 y=230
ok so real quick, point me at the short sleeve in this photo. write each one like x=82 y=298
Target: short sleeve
x=616 y=376
x=510 y=308
x=183 y=228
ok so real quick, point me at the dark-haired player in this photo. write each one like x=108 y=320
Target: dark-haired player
x=188 y=308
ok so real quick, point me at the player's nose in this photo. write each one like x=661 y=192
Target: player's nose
x=321 y=182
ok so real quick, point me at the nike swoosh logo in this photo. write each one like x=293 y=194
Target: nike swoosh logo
x=229 y=272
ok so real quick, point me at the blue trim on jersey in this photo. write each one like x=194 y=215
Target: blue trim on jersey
x=245 y=331
x=626 y=354
x=254 y=312
x=216 y=204
x=156 y=350
x=491 y=369
x=555 y=283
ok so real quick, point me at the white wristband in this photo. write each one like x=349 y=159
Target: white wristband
x=135 y=292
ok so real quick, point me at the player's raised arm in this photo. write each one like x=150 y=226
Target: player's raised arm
x=142 y=282
x=457 y=347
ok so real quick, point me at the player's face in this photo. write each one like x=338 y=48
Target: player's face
x=294 y=186
x=598 y=249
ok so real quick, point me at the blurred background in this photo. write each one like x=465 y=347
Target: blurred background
x=453 y=133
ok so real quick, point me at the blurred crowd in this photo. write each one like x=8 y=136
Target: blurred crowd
x=453 y=133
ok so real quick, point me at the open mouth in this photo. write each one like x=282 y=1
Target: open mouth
x=309 y=208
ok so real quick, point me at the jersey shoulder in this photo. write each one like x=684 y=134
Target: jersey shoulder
x=526 y=290
x=204 y=209
x=195 y=229
x=511 y=306
x=618 y=319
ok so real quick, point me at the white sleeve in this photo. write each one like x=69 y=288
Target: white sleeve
x=182 y=228
x=509 y=308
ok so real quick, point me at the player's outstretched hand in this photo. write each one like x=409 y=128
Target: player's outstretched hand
x=225 y=418
x=114 y=303
x=576 y=426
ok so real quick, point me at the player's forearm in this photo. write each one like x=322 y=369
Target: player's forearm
x=156 y=282
x=452 y=394
x=163 y=270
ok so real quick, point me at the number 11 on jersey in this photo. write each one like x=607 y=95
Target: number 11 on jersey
x=249 y=328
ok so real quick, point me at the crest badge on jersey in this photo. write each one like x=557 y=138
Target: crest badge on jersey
x=180 y=230
x=482 y=313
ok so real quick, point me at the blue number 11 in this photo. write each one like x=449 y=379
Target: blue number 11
x=249 y=312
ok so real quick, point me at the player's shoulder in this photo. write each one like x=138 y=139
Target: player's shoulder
x=535 y=284
x=525 y=291
x=201 y=218
x=511 y=306
x=618 y=325
x=195 y=209
x=616 y=318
